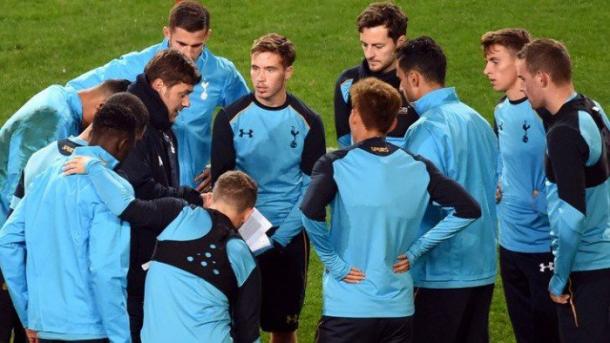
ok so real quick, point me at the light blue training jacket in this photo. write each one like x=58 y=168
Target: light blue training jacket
x=463 y=146
x=65 y=257
x=54 y=113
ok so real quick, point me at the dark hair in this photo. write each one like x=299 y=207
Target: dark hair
x=548 y=55
x=132 y=103
x=276 y=44
x=114 y=120
x=190 y=16
x=512 y=39
x=110 y=87
x=386 y=14
x=237 y=189
x=425 y=56
x=172 y=67
x=377 y=103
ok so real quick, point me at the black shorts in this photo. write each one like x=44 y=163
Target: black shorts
x=452 y=315
x=587 y=317
x=284 y=275
x=365 y=330
x=525 y=277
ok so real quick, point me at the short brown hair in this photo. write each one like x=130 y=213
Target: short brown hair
x=276 y=44
x=172 y=67
x=386 y=14
x=550 y=56
x=511 y=39
x=236 y=189
x=190 y=16
x=377 y=103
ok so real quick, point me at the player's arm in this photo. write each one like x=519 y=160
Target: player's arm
x=314 y=147
x=108 y=265
x=13 y=253
x=223 y=151
x=117 y=194
x=234 y=88
x=137 y=169
x=499 y=163
x=19 y=194
x=41 y=127
x=127 y=67
x=343 y=109
x=568 y=153
x=463 y=210
x=246 y=308
x=320 y=193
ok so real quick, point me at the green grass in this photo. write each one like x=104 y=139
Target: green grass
x=50 y=42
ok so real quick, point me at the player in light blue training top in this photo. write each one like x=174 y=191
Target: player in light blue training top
x=578 y=191
x=456 y=277
x=526 y=261
x=221 y=83
x=378 y=195
x=55 y=113
x=276 y=139
x=64 y=254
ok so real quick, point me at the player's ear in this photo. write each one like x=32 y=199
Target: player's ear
x=157 y=84
x=401 y=40
x=166 y=32
x=208 y=34
x=288 y=74
x=414 y=78
x=543 y=78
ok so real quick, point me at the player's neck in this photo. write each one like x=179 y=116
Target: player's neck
x=276 y=100
x=86 y=134
x=227 y=210
x=514 y=93
x=558 y=96
x=360 y=137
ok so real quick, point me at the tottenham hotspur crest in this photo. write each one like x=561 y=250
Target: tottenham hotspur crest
x=294 y=134
x=204 y=93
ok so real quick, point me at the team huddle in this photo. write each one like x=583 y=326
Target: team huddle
x=121 y=196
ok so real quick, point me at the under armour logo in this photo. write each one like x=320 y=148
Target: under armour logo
x=294 y=134
x=249 y=133
x=526 y=126
x=501 y=126
x=292 y=319
x=549 y=266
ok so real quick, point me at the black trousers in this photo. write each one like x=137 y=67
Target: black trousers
x=525 y=277
x=364 y=330
x=452 y=315
x=135 y=309
x=9 y=321
x=587 y=317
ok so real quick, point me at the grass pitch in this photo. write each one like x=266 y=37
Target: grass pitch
x=50 y=42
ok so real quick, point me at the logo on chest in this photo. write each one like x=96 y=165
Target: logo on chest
x=526 y=126
x=249 y=133
x=204 y=93
x=294 y=134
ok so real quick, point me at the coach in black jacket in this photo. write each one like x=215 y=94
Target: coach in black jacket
x=152 y=166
